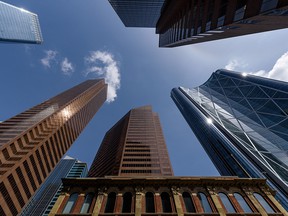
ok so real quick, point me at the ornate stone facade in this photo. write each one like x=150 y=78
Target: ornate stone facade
x=174 y=196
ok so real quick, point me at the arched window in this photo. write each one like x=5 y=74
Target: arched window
x=242 y=202
x=264 y=203
x=226 y=202
x=87 y=203
x=166 y=204
x=188 y=202
x=127 y=201
x=109 y=208
x=149 y=198
x=70 y=203
x=204 y=202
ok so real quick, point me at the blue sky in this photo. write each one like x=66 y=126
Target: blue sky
x=86 y=39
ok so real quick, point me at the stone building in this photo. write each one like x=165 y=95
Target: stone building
x=174 y=196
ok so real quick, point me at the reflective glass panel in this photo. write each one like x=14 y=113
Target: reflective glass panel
x=226 y=202
x=242 y=203
x=204 y=202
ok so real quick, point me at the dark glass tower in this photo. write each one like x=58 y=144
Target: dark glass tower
x=241 y=121
x=34 y=141
x=138 y=13
x=134 y=146
x=19 y=25
x=45 y=197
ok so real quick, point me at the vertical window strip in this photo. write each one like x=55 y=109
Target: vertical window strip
x=28 y=172
x=16 y=190
x=23 y=182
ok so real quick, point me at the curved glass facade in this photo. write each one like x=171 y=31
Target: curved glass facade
x=250 y=115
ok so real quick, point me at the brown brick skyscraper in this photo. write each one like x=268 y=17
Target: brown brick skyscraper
x=134 y=146
x=32 y=142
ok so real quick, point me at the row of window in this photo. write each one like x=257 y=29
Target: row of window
x=167 y=205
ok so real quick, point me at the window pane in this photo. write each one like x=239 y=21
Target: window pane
x=226 y=202
x=127 y=200
x=87 y=203
x=150 y=207
x=204 y=202
x=166 y=204
x=188 y=202
x=70 y=203
x=243 y=203
x=263 y=202
x=110 y=203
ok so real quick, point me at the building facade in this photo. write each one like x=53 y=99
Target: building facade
x=174 y=196
x=134 y=146
x=19 y=25
x=183 y=22
x=138 y=13
x=34 y=141
x=241 y=121
x=188 y=22
x=45 y=197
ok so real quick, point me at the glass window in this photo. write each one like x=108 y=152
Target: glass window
x=188 y=202
x=166 y=203
x=70 y=203
x=242 y=203
x=264 y=203
x=227 y=203
x=204 y=202
x=87 y=203
x=149 y=198
x=127 y=201
x=110 y=203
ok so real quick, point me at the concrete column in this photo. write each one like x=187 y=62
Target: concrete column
x=118 y=203
x=274 y=201
x=158 y=203
x=257 y=205
x=78 y=205
x=178 y=205
x=98 y=204
x=138 y=201
x=216 y=201
x=57 y=204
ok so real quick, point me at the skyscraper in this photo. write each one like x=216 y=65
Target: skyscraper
x=241 y=121
x=19 y=25
x=33 y=142
x=183 y=22
x=131 y=175
x=138 y=13
x=45 y=197
x=134 y=146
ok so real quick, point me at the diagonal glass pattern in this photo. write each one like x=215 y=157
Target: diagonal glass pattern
x=252 y=112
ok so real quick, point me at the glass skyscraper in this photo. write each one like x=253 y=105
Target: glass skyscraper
x=242 y=122
x=45 y=197
x=138 y=13
x=19 y=25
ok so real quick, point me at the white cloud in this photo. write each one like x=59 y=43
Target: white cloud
x=67 y=67
x=102 y=64
x=235 y=64
x=50 y=56
x=279 y=70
